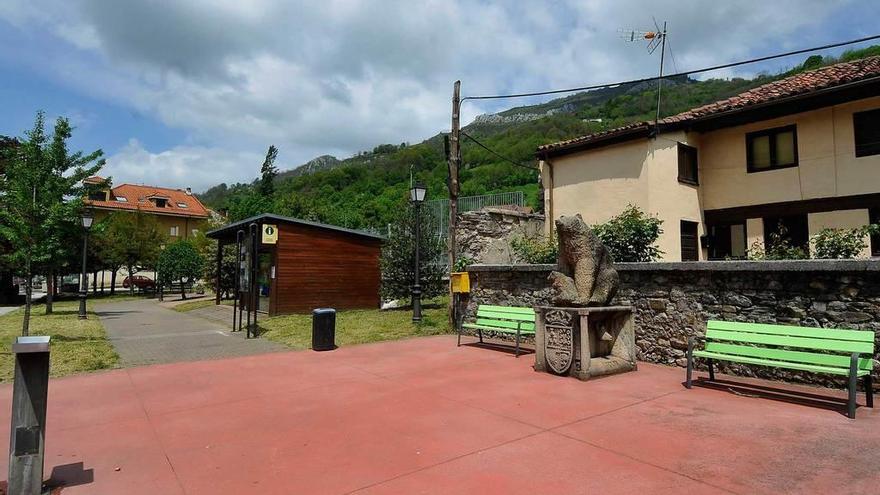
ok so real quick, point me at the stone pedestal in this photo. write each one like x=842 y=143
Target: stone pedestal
x=585 y=342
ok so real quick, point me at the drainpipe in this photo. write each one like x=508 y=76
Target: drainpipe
x=547 y=179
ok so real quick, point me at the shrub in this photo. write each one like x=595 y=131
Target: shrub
x=631 y=235
x=777 y=247
x=841 y=243
x=462 y=262
x=536 y=249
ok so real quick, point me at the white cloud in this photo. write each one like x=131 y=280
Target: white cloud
x=339 y=76
x=180 y=167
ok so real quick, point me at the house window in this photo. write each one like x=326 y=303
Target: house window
x=159 y=202
x=174 y=231
x=866 y=128
x=874 y=216
x=772 y=149
x=727 y=241
x=98 y=196
x=182 y=205
x=122 y=199
x=790 y=229
x=687 y=164
x=690 y=248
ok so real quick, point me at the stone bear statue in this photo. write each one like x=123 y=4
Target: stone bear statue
x=586 y=276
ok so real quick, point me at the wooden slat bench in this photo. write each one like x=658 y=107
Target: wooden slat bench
x=848 y=353
x=510 y=320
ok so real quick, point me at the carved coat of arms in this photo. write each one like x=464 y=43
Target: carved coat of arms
x=558 y=341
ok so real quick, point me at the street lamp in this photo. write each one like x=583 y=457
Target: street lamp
x=417 y=196
x=87 y=219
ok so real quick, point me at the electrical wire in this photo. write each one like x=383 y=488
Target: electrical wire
x=499 y=155
x=678 y=74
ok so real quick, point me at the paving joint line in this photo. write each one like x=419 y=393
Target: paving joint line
x=641 y=461
x=156 y=434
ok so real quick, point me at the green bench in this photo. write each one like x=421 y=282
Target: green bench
x=847 y=353
x=511 y=320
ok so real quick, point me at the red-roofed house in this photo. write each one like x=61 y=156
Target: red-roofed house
x=179 y=211
x=803 y=152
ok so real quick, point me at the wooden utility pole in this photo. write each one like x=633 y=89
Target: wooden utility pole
x=454 y=163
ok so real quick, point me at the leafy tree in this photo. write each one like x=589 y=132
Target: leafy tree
x=631 y=235
x=180 y=261
x=132 y=240
x=207 y=248
x=41 y=198
x=268 y=172
x=397 y=258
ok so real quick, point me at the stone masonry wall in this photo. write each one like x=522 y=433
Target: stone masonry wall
x=673 y=301
x=484 y=235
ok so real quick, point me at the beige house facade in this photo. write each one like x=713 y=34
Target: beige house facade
x=794 y=156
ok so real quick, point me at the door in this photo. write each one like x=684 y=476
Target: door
x=690 y=247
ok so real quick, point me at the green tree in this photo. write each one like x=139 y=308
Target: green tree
x=180 y=261
x=268 y=172
x=631 y=235
x=132 y=240
x=41 y=198
x=207 y=248
x=397 y=260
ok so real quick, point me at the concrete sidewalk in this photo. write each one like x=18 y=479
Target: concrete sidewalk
x=424 y=416
x=143 y=332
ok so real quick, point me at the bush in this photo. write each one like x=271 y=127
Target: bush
x=841 y=243
x=777 y=247
x=535 y=250
x=462 y=262
x=397 y=256
x=630 y=236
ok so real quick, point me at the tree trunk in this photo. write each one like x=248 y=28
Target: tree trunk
x=28 y=291
x=50 y=291
x=182 y=290
x=95 y=282
x=113 y=281
x=103 y=272
x=130 y=280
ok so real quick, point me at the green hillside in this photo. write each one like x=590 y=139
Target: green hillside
x=364 y=190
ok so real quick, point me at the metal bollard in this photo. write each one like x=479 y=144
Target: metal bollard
x=28 y=434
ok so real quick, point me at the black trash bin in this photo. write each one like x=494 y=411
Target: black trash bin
x=323 y=329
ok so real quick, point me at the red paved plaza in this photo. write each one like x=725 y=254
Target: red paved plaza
x=422 y=416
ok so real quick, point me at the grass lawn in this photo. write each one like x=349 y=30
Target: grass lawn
x=359 y=326
x=201 y=303
x=76 y=345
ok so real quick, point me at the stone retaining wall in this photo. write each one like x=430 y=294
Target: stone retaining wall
x=674 y=300
x=484 y=235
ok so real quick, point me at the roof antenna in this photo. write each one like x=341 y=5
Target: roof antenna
x=654 y=38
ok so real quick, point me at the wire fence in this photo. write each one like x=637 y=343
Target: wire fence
x=439 y=208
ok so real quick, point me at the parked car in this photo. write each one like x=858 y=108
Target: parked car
x=139 y=282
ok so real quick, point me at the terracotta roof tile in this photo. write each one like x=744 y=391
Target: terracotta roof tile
x=136 y=198
x=798 y=84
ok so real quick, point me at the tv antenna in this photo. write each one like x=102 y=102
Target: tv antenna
x=654 y=39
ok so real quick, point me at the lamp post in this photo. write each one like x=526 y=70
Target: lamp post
x=417 y=196
x=87 y=219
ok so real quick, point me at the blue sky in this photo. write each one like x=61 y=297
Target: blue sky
x=192 y=93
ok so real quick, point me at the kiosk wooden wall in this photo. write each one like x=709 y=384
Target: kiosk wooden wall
x=318 y=267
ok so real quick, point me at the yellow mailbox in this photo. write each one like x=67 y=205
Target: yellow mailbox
x=461 y=282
